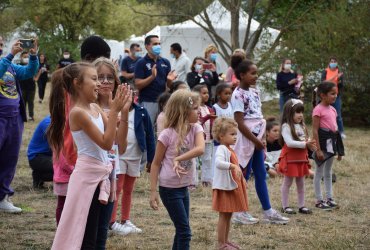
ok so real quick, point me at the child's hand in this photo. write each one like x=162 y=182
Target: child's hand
x=120 y=98
x=237 y=170
x=127 y=100
x=154 y=200
x=259 y=145
x=339 y=158
x=178 y=169
x=320 y=155
x=311 y=145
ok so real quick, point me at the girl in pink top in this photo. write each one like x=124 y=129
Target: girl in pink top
x=178 y=144
x=329 y=143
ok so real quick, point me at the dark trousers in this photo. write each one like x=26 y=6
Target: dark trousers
x=42 y=169
x=104 y=219
x=256 y=163
x=41 y=84
x=11 y=129
x=91 y=230
x=176 y=201
x=28 y=98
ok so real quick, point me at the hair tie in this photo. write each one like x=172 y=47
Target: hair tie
x=296 y=101
x=191 y=102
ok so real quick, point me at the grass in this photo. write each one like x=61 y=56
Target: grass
x=345 y=228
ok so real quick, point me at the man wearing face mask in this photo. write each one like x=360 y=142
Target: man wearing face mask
x=66 y=60
x=181 y=63
x=12 y=116
x=28 y=88
x=334 y=75
x=286 y=79
x=129 y=62
x=152 y=76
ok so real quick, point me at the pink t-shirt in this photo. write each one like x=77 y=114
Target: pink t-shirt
x=167 y=176
x=160 y=123
x=327 y=115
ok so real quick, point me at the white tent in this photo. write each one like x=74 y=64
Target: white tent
x=195 y=39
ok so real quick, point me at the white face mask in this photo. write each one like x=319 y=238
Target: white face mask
x=25 y=60
x=287 y=66
x=66 y=56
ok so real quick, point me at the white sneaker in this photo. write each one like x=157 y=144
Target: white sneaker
x=7 y=206
x=120 y=229
x=243 y=218
x=135 y=229
x=274 y=218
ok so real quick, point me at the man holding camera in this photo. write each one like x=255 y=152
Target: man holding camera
x=12 y=116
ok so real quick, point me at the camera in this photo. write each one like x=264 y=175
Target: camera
x=27 y=43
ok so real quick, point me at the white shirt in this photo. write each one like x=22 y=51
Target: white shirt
x=181 y=66
x=133 y=151
x=288 y=138
x=224 y=112
x=248 y=102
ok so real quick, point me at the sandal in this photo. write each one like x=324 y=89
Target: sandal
x=305 y=210
x=226 y=246
x=233 y=245
x=288 y=210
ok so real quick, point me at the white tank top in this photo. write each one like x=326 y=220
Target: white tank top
x=224 y=112
x=85 y=146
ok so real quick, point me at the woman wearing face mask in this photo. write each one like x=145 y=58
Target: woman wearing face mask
x=286 y=79
x=28 y=88
x=202 y=73
x=334 y=75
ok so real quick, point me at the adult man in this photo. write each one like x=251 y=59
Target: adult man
x=129 y=62
x=66 y=60
x=181 y=63
x=152 y=76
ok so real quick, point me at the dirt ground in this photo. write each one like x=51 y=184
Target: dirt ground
x=345 y=228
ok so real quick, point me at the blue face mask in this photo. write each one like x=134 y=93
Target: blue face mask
x=213 y=57
x=333 y=65
x=156 y=49
x=138 y=54
x=197 y=67
x=172 y=55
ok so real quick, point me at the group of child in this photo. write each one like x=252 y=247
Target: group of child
x=228 y=139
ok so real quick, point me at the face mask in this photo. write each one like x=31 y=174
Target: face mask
x=138 y=54
x=213 y=57
x=197 y=67
x=333 y=65
x=172 y=55
x=156 y=49
x=25 y=60
x=287 y=66
x=66 y=56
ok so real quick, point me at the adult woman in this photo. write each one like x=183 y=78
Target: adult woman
x=334 y=75
x=202 y=73
x=42 y=76
x=211 y=53
x=285 y=81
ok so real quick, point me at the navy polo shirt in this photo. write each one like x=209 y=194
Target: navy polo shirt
x=128 y=64
x=143 y=70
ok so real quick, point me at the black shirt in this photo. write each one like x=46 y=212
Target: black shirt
x=282 y=80
x=65 y=62
x=275 y=146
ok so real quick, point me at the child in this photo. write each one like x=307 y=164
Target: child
x=247 y=108
x=328 y=141
x=162 y=101
x=140 y=140
x=176 y=85
x=229 y=186
x=179 y=143
x=93 y=135
x=293 y=160
x=206 y=116
x=273 y=148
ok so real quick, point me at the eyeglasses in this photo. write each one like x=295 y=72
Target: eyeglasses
x=106 y=78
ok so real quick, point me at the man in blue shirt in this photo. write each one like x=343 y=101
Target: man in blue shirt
x=40 y=155
x=129 y=62
x=153 y=76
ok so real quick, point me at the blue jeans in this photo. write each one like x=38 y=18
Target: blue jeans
x=176 y=201
x=338 y=107
x=257 y=164
x=103 y=226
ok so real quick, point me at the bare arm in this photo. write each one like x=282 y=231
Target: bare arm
x=154 y=172
x=315 y=133
x=127 y=75
x=238 y=116
x=195 y=151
